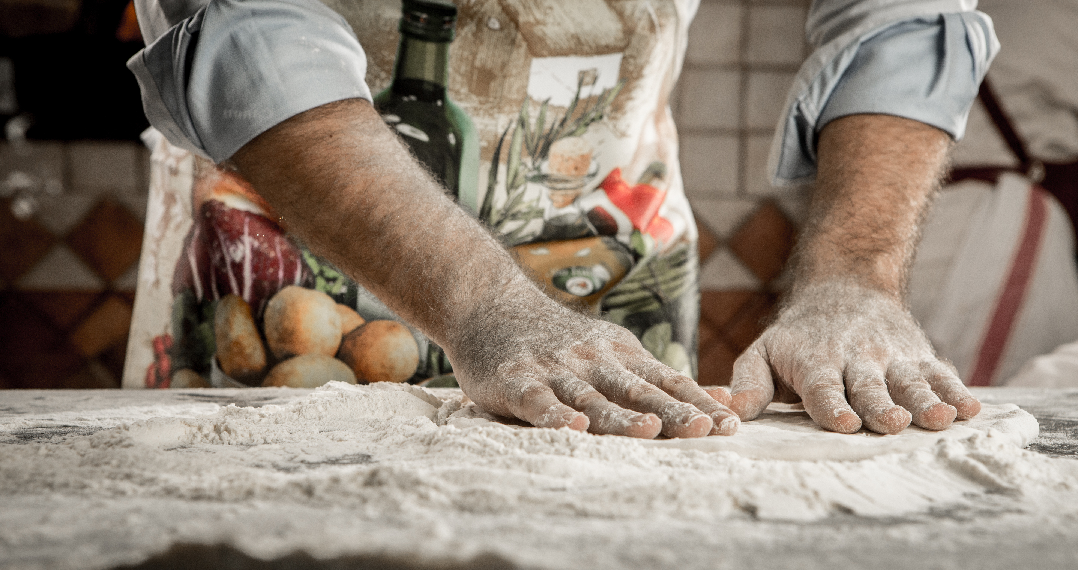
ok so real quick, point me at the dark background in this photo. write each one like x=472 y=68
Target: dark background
x=70 y=75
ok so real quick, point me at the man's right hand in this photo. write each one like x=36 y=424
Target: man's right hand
x=343 y=182
x=526 y=356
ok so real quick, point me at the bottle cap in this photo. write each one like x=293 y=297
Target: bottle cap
x=431 y=20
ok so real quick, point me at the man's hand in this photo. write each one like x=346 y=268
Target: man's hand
x=343 y=182
x=851 y=354
x=844 y=341
x=526 y=356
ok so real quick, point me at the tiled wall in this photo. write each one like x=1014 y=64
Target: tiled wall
x=742 y=56
x=68 y=268
x=67 y=274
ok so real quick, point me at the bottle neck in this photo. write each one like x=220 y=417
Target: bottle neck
x=422 y=68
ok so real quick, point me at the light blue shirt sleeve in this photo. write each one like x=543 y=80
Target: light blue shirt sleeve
x=922 y=60
x=221 y=77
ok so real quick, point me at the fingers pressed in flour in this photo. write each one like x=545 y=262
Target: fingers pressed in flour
x=945 y=382
x=606 y=417
x=908 y=387
x=687 y=390
x=824 y=396
x=628 y=390
x=867 y=394
x=536 y=404
x=752 y=386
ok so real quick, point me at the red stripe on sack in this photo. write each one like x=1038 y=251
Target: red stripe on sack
x=1014 y=291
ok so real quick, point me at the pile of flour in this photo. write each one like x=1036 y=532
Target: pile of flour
x=404 y=463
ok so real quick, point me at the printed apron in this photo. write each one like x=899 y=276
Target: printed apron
x=578 y=173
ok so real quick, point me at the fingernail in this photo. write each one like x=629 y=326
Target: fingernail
x=726 y=426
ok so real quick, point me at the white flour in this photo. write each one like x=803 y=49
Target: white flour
x=417 y=472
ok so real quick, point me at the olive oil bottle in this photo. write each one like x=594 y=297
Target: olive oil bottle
x=416 y=104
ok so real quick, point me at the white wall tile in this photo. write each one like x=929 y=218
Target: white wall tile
x=106 y=167
x=775 y=35
x=723 y=216
x=60 y=270
x=715 y=35
x=709 y=165
x=766 y=97
x=723 y=271
x=757 y=181
x=59 y=214
x=43 y=162
x=709 y=99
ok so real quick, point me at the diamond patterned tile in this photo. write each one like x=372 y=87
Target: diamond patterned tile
x=32 y=353
x=42 y=161
x=60 y=270
x=706 y=336
x=63 y=308
x=113 y=359
x=60 y=213
x=109 y=239
x=106 y=326
x=92 y=376
x=764 y=242
x=723 y=271
x=717 y=308
x=23 y=243
x=101 y=166
x=723 y=216
x=127 y=282
x=750 y=321
x=716 y=365
x=706 y=242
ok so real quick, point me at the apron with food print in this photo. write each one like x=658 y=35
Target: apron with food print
x=576 y=170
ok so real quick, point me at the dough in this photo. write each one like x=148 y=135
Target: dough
x=787 y=433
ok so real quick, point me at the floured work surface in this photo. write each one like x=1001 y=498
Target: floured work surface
x=104 y=479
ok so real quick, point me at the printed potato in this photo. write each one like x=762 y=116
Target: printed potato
x=302 y=321
x=350 y=319
x=309 y=371
x=380 y=351
x=240 y=352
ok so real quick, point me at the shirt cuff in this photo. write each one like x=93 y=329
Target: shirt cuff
x=926 y=68
x=215 y=81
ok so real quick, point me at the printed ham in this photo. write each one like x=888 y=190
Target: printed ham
x=233 y=249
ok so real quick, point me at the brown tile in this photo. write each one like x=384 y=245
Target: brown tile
x=63 y=308
x=113 y=359
x=22 y=243
x=716 y=365
x=749 y=322
x=32 y=353
x=108 y=239
x=706 y=242
x=92 y=376
x=718 y=307
x=764 y=242
x=706 y=336
x=106 y=326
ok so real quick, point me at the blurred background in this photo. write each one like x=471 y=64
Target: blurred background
x=73 y=185
x=74 y=180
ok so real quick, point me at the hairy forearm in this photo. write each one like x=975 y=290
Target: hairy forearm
x=343 y=183
x=877 y=176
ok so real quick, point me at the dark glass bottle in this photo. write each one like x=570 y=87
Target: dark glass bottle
x=416 y=104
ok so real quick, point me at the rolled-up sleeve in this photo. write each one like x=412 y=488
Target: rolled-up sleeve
x=221 y=77
x=923 y=60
